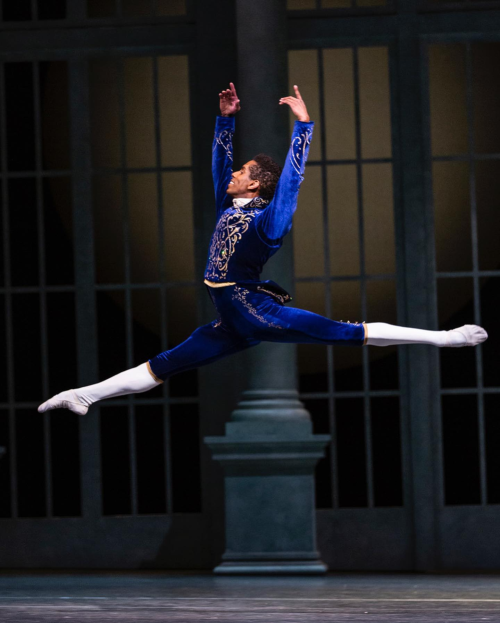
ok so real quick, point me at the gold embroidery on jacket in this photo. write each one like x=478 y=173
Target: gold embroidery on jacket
x=240 y=294
x=230 y=228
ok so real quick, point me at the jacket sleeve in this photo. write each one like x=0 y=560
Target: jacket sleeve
x=276 y=220
x=222 y=161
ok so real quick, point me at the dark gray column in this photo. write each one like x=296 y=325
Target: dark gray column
x=262 y=126
x=86 y=315
x=415 y=273
x=269 y=452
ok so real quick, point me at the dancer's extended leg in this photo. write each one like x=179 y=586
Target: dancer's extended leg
x=208 y=343
x=382 y=334
x=276 y=323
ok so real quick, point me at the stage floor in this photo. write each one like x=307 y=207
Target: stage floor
x=176 y=598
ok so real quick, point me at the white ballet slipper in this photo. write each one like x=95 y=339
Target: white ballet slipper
x=472 y=334
x=64 y=400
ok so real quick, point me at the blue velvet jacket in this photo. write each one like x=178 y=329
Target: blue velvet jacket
x=246 y=237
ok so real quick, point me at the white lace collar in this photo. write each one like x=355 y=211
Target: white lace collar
x=239 y=202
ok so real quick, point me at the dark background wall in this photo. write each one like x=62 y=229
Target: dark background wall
x=106 y=119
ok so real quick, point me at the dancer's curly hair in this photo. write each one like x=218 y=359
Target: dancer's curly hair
x=267 y=172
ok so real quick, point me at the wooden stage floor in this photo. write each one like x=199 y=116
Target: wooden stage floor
x=48 y=597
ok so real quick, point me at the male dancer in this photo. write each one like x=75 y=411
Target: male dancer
x=255 y=206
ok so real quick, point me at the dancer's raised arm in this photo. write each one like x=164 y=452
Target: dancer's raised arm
x=276 y=221
x=222 y=152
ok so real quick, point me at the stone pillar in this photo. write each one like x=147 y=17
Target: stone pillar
x=268 y=452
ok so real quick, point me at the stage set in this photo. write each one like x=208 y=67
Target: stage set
x=308 y=482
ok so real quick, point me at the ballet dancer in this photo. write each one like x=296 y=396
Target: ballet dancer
x=255 y=206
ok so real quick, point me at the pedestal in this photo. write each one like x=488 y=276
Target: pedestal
x=269 y=490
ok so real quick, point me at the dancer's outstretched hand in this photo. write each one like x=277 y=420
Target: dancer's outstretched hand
x=228 y=101
x=296 y=104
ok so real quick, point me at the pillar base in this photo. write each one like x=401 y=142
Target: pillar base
x=268 y=567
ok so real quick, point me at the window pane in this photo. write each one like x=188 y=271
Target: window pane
x=452 y=215
x=65 y=463
x=149 y=438
x=58 y=229
x=335 y=4
x=492 y=438
x=18 y=11
x=20 y=116
x=175 y=120
x=490 y=303
x=30 y=464
x=447 y=90
x=343 y=220
x=382 y=307
x=139 y=112
x=320 y=416
x=368 y=3
x=386 y=452
x=108 y=229
x=488 y=214
x=171 y=7
x=3 y=352
x=185 y=452
x=146 y=312
x=54 y=106
x=61 y=321
x=104 y=113
x=112 y=335
x=455 y=308
x=101 y=8
x=137 y=8
x=303 y=71
x=312 y=358
x=182 y=321
x=374 y=102
x=346 y=305
x=23 y=221
x=378 y=213
x=146 y=328
x=351 y=453
x=115 y=461
x=300 y=4
x=5 y=501
x=26 y=342
x=339 y=104
x=51 y=9
x=486 y=96
x=143 y=220
x=461 y=450
x=308 y=236
x=178 y=226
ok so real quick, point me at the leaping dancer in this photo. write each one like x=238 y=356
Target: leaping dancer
x=255 y=206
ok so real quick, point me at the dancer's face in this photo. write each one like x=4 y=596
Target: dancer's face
x=241 y=185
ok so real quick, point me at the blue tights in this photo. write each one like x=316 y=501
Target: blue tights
x=246 y=318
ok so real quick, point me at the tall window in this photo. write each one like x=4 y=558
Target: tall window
x=465 y=153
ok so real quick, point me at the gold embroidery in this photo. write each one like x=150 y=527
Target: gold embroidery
x=283 y=299
x=214 y=284
x=230 y=228
x=224 y=139
x=240 y=294
x=217 y=323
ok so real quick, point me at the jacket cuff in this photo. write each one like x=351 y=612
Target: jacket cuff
x=225 y=122
x=304 y=124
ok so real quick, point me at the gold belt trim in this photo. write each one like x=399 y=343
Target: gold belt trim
x=213 y=284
